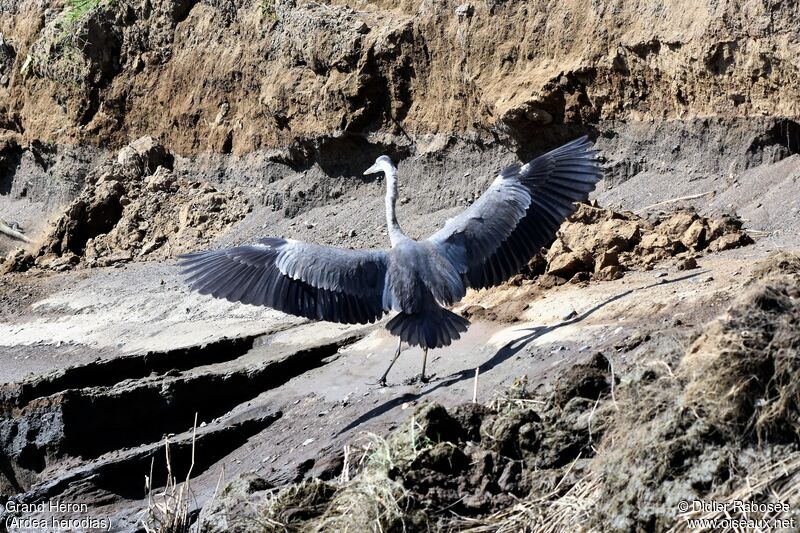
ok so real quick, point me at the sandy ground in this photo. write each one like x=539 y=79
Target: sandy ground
x=135 y=309
x=146 y=307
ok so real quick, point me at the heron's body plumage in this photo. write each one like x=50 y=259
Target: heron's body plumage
x=417 y=272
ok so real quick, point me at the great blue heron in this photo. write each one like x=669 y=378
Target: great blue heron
x=484 y=246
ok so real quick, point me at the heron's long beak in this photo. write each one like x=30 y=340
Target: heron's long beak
x=374 y=169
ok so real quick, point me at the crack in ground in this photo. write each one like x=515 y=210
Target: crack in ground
x=123 y=473
x=86 y=423
x=107 y=372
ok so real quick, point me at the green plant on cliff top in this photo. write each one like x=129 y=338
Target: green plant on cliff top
x=267 y=8
x=78 y=8
x=59 y=52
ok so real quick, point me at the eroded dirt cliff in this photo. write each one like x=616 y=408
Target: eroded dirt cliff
x=293 y=100
x=242 y=75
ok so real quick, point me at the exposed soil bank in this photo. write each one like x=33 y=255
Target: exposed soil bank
x=238 y=76
x=681 y=99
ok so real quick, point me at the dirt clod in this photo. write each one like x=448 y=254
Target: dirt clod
x=222 y=513
x=588 y=380
x=601 y=244
x=605 y=243
x=135 y=208
x=596 y=244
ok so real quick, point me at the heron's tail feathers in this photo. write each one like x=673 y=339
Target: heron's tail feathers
x=431 y=328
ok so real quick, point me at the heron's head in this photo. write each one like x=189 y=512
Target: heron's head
x=382 y=164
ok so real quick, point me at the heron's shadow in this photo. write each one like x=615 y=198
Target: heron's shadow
x=503 y=354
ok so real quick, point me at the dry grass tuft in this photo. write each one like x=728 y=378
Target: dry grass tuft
x=371 y=500
x=365 y=498
x=292 y=507
x=168 y=510
x=550 y=513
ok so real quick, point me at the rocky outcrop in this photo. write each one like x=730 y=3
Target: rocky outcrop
x=135 y=208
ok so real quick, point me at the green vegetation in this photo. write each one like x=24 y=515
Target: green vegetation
x=59 y=53
x=76 y=9
x=267 y=8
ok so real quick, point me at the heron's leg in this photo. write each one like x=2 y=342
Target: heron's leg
x=422 y=377
x=382 y=381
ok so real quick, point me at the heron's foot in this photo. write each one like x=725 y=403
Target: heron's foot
x=382 y=382
x=419 y=378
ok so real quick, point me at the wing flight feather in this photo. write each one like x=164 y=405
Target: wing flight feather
x=520 y=212
x=302 y=279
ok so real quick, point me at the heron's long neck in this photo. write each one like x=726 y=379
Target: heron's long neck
x=395 y=233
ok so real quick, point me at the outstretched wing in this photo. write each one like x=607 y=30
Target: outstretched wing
x=302 y=279
x=519 y=213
